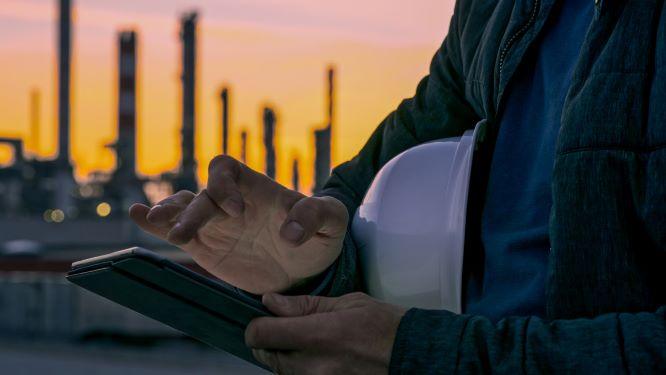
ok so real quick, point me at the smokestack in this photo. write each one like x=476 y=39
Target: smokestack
x=323 y=137
x=64 y=60
x=244 y=146
x=269 y=141
x=126 y=145
x=125 y=188
x=294 y=175
x=188 y=165
x=331 y=95
x=322 y=157
x=34 y=121
x=224 y=96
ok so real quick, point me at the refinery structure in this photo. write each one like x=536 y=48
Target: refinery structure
x=47 y=191
x=49 y=219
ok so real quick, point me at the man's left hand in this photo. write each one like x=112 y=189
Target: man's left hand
x=321 y=335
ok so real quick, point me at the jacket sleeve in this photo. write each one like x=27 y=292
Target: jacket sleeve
x=430 y=341
x=437 y=110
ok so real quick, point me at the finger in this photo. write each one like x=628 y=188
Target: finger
x=196 y=215
x=291 y=306
x=138 y=213
x=223 y=172
x=295 y=362
x=291 y=333
x=167 y=209
x=314 y=215
x=269 y=358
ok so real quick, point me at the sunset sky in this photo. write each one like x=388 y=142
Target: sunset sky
x=268 y=51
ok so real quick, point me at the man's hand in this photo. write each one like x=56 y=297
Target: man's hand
x=248 y=230
x=352 y=334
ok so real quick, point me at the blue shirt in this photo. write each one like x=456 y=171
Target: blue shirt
x=514 y=228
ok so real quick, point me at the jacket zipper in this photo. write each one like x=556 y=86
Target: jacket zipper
x=509 y=43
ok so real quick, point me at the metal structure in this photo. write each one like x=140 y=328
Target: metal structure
x=124 y=188
x=64 y=80
x=295 y=178
x=11 y=182
x=224 y=101
x=269 y=141
x=64 y=194
x=187 y=177
x=126 y=144
x=244 y=146
x=323 y=138
x=34 y=121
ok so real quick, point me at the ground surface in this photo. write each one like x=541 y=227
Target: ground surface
x=21 y=357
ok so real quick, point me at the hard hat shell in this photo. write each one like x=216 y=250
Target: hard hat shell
x=410 y=228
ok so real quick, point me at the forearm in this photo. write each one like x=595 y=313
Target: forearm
x=431 y=341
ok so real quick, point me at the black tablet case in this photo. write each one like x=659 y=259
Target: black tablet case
x=208 y=310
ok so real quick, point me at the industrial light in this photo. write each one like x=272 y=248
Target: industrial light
x=103 y=209
x=86 y=191
x=57 y=215
x=47 y=215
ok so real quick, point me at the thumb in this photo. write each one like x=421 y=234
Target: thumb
x=291 y=306
x=314 y=215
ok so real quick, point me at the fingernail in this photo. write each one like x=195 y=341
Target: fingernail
x=233 y=206
x=151 y=214
x=293 y=231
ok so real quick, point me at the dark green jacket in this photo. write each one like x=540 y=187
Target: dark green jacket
x=606 y=286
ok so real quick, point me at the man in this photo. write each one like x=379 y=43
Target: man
x=564 y=265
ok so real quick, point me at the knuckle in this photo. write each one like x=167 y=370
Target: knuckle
x=310 y=303
x=184 y=196
x=177 y=198
x=164 y=201
x=355 y=296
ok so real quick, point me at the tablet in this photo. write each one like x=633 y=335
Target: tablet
x=208 y=310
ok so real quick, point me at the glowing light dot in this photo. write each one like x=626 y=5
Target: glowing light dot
x=103 y=209
x=57 y=215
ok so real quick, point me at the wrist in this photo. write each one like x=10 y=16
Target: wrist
x=314 y=285
x=426 y=338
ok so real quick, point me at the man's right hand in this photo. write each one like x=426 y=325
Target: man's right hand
x=248 y=230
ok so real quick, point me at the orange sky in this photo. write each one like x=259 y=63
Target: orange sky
x=268 y=51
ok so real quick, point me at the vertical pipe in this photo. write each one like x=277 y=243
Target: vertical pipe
x=322 y=157
x=331 y=96
x=187 y=179
x=34 y=121
x=126 y=145
x=269 y=141
x=295 y=178
x=64 y=66
x=323 y=137
x=224 y=96
x=244 y=146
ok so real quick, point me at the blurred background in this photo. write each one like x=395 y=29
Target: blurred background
x=107 y=103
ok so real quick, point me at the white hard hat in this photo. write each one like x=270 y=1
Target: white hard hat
x=410 y=228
